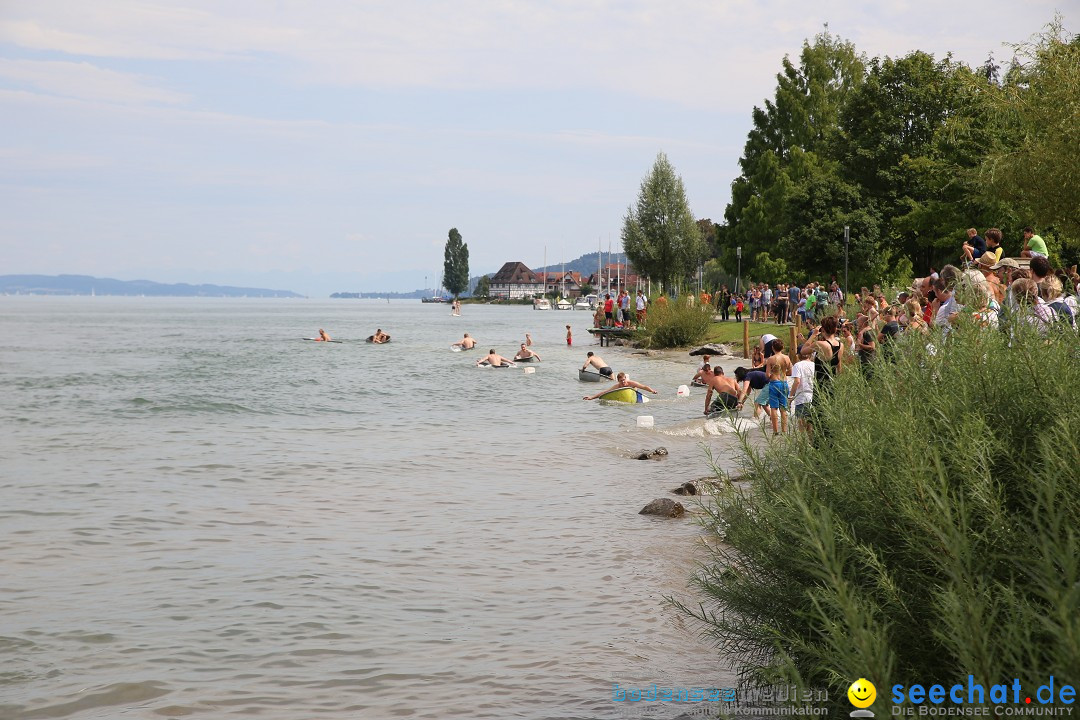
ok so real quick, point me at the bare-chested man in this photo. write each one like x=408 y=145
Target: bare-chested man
x=778 y=358
x=493 y=359
x=594 y=360
x=727 y=391
x=466 y=343
x=623 y=382
x=526 y=355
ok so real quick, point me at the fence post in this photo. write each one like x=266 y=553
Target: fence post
x=793 y=351
x=746 y=338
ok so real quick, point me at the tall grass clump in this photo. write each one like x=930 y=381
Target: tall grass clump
x=674 y=324
x=927 y=530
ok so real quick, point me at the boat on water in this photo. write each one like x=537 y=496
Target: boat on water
x=583 y=303
x=541 y=304
x=435 y=299
x=586 y=376
x=563 y=304
x=626 y=395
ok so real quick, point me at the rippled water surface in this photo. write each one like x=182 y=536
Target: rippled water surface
x=204 y=516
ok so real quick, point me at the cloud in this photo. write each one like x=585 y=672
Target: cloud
x=87 y=82
x=695 y=54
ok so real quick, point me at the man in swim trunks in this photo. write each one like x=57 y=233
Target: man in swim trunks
x=466 y=343
x=525 y=353
x=727 y=392
x=778 y=391
x=493 y=358
x=597 y=362
x=623 y=382
x=379 y=336
x=323 y=337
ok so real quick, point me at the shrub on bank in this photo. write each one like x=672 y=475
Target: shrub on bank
x=674 y=324
x=929 y=529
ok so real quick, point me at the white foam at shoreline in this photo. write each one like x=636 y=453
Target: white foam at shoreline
x=713 y=427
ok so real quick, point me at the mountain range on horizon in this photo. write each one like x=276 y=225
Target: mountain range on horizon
x=89 y=285
x=71 y=284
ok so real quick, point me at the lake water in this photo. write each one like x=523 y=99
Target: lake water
x=204 y=516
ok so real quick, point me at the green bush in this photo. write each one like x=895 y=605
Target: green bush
x=674 y=323
x=927 y=529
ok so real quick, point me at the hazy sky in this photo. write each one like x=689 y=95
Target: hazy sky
x=322 y=145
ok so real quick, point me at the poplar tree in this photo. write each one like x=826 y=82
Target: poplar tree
x=456 y=264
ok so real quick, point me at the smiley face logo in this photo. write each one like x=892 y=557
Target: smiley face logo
x=862 y=693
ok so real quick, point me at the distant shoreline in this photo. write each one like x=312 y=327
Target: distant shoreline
x=86 y=285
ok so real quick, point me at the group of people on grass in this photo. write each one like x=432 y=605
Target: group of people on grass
x=991 y=293
x=616 y=312
x=761 y=302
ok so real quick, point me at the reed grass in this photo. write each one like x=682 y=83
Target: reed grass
x=928 y=528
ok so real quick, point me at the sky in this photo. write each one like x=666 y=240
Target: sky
x=326 y=145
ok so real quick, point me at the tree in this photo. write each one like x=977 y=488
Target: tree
x=456 y=264
x=798 y=122
x=660 y=236
x=1035 y=162
x=483 y=286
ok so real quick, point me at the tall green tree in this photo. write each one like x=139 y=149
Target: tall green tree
x=660 y=236
x=894 y=145
x=1034 y=162
x=455 y=264
x=483 y=286
x=787 y=134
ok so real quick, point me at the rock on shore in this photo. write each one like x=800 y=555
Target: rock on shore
x=700 y=486
x=664 y=507
x=712 y=349
x=657 y=454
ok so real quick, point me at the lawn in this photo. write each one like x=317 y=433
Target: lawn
x=732 y=332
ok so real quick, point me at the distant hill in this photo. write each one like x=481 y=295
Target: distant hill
x=586 y=264
x=87 y=285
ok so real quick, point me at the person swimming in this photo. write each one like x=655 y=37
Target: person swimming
x=493 y=359
x=623 y=382
x=526 y=354
x=466 y=343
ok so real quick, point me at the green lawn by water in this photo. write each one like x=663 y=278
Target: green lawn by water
x=731 y=332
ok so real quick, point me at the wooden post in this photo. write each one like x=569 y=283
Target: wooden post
x=746 y=338
x=793 y=351
x=798 y=323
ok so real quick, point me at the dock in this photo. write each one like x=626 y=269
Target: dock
x=608 y=333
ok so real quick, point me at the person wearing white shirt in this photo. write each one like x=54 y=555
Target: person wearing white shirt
x=802 y=387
